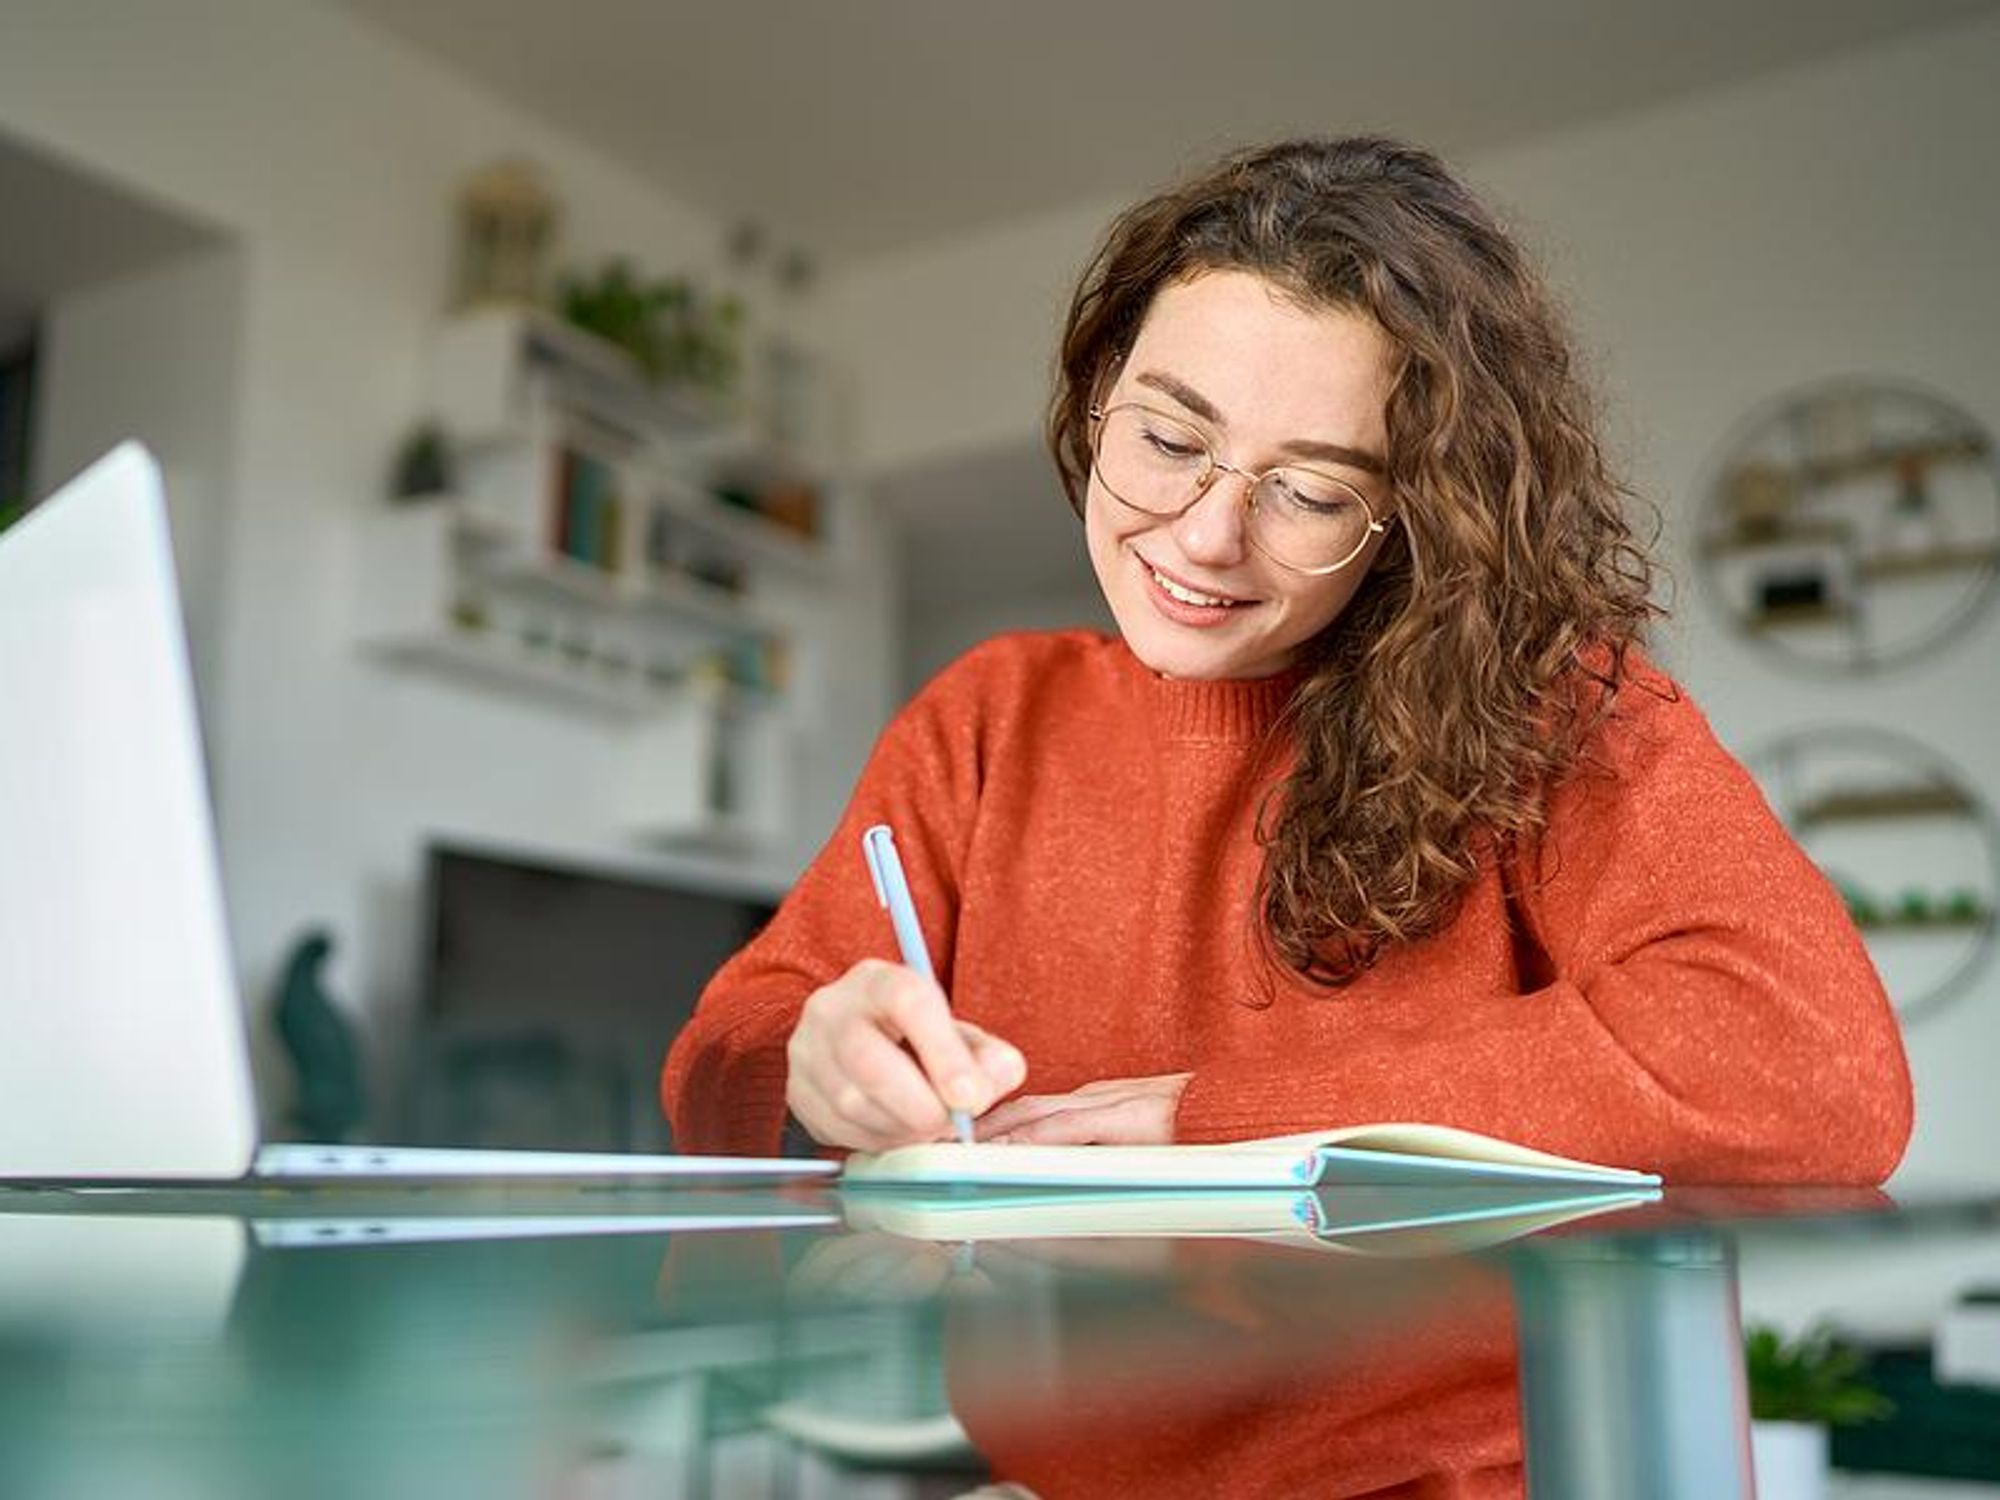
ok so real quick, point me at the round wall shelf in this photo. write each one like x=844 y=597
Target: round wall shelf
x=1914 y=852
x=1853 y=526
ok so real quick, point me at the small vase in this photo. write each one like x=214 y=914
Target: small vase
x=1790 y=1459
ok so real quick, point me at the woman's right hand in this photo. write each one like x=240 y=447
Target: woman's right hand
x=878 y=1060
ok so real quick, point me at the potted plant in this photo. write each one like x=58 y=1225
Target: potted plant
x=1800 y=1388
x=677 y=335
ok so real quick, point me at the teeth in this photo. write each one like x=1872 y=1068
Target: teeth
x=1185 y=595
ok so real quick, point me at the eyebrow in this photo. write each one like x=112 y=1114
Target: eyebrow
x=1201 y=406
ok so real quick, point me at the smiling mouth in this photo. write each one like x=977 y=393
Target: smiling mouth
x=1175 y=589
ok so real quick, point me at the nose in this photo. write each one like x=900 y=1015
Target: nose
x=1214 y=529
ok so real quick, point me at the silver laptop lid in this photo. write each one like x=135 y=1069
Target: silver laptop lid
x=121 y=1035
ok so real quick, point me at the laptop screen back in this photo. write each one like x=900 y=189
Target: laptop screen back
x=121 y=1035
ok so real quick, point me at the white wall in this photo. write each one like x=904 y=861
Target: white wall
x=1831 y=219
x=933 y=638
x=1723 y=252
x=154 y=354
x=332 y=156
x=951 y=346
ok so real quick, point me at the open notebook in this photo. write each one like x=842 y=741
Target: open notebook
x=1405 y=1154
x=1359 y=1219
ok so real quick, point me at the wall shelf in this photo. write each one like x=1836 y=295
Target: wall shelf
x=1890 y=458
x=1869 y=506
x=487 y=362
x=1884 y=803
x=1908 y=842
x=1778 y=538
x=723 y=615
x=484 y=659
x=598 y=563
x=1797 y=616
x=447 y=591
x=761 y=540
x=1886 y=565
x=1971 y=922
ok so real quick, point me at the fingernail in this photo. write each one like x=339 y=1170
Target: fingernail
x=962 y=1092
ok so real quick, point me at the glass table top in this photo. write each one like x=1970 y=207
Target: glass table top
x=587 y=1342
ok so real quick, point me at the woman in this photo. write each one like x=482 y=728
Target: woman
x=1372 y=810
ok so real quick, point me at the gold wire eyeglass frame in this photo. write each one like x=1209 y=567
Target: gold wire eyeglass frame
x=1213 y=466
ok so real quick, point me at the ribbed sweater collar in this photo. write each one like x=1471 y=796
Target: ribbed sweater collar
x=1226 y=711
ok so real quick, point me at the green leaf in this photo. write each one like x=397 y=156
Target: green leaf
x=1814 y=1378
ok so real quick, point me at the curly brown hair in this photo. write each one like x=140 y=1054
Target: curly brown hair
x=1490 y=637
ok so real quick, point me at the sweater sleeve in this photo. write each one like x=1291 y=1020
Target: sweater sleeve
x=1708 y=1010
x=723 y=1086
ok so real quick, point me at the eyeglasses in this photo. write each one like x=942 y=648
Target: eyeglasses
x=1302 y=519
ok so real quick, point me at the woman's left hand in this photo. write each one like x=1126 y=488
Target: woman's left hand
x=1110 y=1112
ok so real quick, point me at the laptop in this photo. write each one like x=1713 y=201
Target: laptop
x=124 y=1051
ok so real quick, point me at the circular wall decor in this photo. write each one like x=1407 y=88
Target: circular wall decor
x=1853 y=526
x=1914 y=852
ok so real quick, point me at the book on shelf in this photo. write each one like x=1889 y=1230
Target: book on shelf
x=587 y=518
x=1404 y=1154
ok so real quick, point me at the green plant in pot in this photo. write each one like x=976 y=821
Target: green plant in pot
x=620 y=307
x=702 y=339
x=1798 y=1389
x=677 y=335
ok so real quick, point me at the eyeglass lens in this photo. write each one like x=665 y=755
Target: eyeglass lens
x=1298 y=516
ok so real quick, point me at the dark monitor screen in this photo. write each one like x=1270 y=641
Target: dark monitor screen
x=575 y=977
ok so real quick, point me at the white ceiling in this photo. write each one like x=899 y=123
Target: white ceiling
x=851 y=128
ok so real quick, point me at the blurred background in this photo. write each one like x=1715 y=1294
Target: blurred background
x=584 y=425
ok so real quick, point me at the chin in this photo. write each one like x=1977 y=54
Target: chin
x=1195 y=661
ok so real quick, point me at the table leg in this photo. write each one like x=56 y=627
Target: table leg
x=1632 y=1382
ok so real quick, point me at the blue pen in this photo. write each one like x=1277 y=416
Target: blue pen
x=878 y=847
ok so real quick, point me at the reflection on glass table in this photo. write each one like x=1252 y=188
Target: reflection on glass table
x=789 y=1344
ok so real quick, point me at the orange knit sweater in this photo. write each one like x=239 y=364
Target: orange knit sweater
x=1679 y=990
